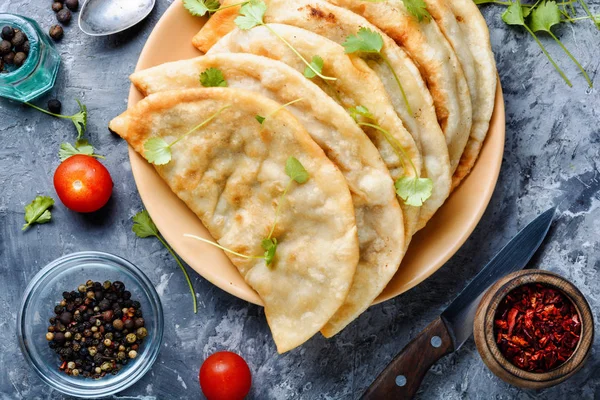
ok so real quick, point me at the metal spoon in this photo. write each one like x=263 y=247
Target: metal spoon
x=105 y=17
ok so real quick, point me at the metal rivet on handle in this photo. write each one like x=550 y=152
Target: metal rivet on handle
x=436 y=341
x=400 y=380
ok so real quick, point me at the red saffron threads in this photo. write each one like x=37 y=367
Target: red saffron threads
x=537 y=327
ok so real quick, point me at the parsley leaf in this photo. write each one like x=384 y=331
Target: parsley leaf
x=418 y=9
x=199 y=8
x=79 y=119
x=413 y=190
x=144 y=227
x=81 y=147
x=213 y=77
x=371 y=42
x=295 y=170
x=158 y=152
x=270 y=247
x=260 y=119
x=360 y=111
x=543 y=18
x=252 y=14
x=316 y=64
x=37 y=212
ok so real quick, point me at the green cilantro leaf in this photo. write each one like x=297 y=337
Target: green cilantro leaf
x=157 y=151
x=514 y=14
x=251 y=15
x=144 y=227
x=79 y=119
x=418 y=9
x=270 y=247
x=316 y=65
x=37 y=212
x=295 y=170
x=360 y=111
x=81 y=147
x=199 y=8
x=213 y=77
x=365 y=41
x=260 y=119
x=413 y=190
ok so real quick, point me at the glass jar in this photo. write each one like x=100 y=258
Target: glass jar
x=37 y=75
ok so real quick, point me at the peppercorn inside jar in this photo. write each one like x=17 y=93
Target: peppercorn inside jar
x=537 y=327
x=29 y=61
x=97 y=329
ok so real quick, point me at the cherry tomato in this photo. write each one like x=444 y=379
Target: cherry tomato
x=225 y=376
x=82 y=183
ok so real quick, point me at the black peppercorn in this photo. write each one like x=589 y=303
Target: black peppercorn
x=64 y=16
x=139 y=322
x=126 y=295
x=58 y=309
x=26 y=47
x=72 y=5
x=138 y=313
x=98 y=295
x=56 y=32
x=54 y=106
x=1 y=64
x=66 y=317
x=18 y=39
x=59 y=337
x=9 y=58
x=5 y=47
x=20 y=58
x=136 y=305
x=8 y=32
x=118 y=286
x=57 y=6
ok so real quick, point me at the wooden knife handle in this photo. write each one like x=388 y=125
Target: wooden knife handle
x=402 y=377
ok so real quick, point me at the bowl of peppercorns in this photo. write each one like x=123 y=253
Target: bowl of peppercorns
x=90 y=324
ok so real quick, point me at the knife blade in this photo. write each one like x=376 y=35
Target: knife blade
x=403 y=375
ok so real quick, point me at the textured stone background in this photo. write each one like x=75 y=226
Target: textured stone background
x=551 y=158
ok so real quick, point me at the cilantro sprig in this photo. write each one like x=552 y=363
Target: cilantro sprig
x=144 y=227
x=367 y=41
x=79 y=119
x=38 y=211
x=298 y=174
x=199 y=8
x=81 y=147
x=413 y=190
x=213 y=77
x=252 y=15
x=158 y=152
x=261 y=120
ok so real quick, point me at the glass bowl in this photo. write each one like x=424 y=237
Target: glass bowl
x=45 y=291
x=38 y=74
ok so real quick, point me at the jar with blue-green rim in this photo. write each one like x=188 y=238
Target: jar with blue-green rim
x=37 y=74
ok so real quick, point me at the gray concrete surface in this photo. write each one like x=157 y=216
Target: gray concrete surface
x=552 y=156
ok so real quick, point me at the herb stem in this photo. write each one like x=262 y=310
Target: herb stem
x=588 y=12
x=327 y=78
x=389 y=65
x=206 y=121
x=221 y=247
x=560 y=71
x=587 y=78
x=185 y=273
x=48 y=112
x=289 y=103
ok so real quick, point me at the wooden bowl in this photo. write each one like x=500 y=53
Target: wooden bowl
x=485 y=339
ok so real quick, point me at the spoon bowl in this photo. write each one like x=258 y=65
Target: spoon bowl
x=105 y=17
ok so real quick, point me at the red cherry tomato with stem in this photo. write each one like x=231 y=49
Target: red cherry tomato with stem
x=225 y=376
x=82 y=183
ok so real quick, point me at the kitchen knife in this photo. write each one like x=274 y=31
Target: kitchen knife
x=402 y=377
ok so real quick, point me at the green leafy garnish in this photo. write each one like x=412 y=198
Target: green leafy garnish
x=367 y=41
x=411 y=189
x=543 y=18
x=79 y=119
x=158 y=152
x=144 y=227
x=37 y=212
x=316 y=64
x=418 y=9
x=297 y=173
x=213 y=77
x=261 y=120
x=252 y=14
x=81 y=147
x=199 y=8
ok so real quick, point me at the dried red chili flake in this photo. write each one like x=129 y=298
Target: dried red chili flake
x=537 y=327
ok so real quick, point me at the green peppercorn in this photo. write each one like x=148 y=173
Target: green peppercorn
x=141 y=333
x=75 y=372
x=131 y=338
x=70 y=365
x=132 y=354
x=121 y=355
x=107 y=342
x=97 y=370
x=89 y=283
x=77 y=336
x=76 y=346
x=109 y=335
x=94 y=329
x=49 y=336
x=97 y=335
x=90 y=295
x=81 y=288
x=92 y=351
x=106 y=366
x=68 y=335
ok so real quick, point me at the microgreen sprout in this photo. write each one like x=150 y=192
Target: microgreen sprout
x=261 y=120
x=199 y=8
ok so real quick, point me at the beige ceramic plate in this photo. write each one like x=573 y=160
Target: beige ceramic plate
x=430 y=248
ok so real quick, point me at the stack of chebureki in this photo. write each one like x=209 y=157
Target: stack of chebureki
x=382 y=109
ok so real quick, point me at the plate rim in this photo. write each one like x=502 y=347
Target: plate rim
x=498 y=117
